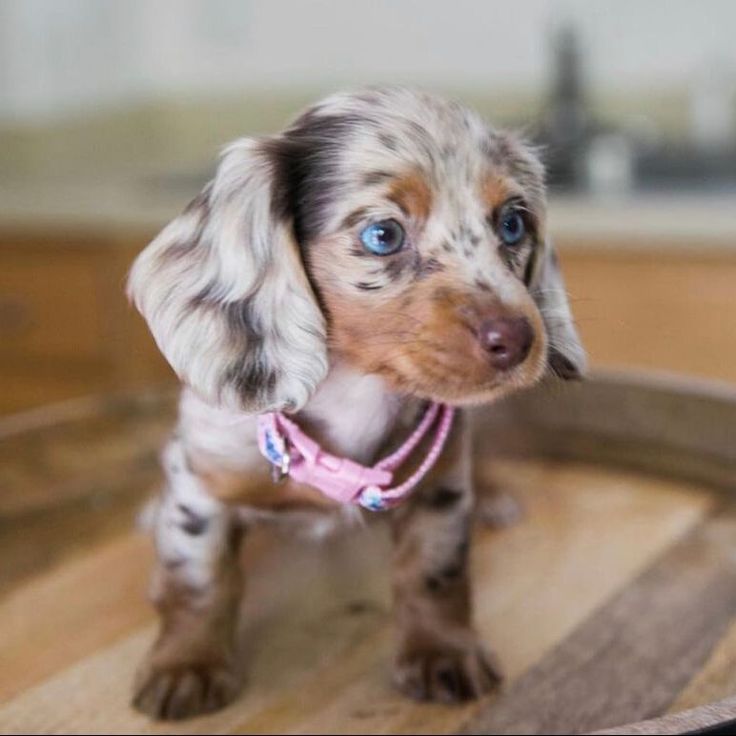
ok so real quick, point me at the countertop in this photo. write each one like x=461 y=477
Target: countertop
x=146 y=204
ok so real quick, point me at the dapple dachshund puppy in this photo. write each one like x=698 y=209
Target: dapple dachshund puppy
x=386 y=253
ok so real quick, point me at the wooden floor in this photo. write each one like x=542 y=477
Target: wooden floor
x=612 y=601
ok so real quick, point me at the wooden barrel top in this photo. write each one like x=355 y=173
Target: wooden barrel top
x=611 y=606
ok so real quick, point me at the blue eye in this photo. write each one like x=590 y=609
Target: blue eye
x=383 y=238
x=512 y=226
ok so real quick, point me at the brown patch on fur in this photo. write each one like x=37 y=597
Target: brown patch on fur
x=422 y=341
x=494 y=191
x=412 y=195
x=255 y=488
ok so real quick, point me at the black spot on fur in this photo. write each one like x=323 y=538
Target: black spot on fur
x=444 y=578
x=463 y=546
x=206 y=295
x=421 y=137
x=199 y=209
x=183 y=248
x=374 y=178
x=483 y=285
x=464 y=232
x=354 y=218
x=252 y=379
x=241 y=322
x=453 y=570
x=201 y=203
x=235 y=535
x=252 y=376
x=251 y=373
x=365 y=286
x=193 y=523
x=388 y=141
x=306 y=169
x=529 y=269
x=360 y=607
x=394 y=268
x=175 y=562
x=562 y=366
x=428 y=267
x=442 y=498
x=447 y=247
x=508 y=257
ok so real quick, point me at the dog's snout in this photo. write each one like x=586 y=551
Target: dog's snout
x=507 y=340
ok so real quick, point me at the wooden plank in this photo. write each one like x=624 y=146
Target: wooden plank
x=70 y=613
x=41 y=541
x=631 y=659
x=537 y=580
x=659 y=424
x=317 y=632
x=80 y=449
x=74 y=477
x=709 y=716
x=716 y=679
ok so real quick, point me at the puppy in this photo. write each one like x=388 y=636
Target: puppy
x=386 y=251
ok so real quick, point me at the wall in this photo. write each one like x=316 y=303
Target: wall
x=60 y=56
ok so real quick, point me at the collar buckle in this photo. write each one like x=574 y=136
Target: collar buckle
x=280 y=471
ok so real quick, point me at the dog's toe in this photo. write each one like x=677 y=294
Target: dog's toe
x=184 y=691
x=446 y=675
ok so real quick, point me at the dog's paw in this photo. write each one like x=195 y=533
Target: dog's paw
x=499 y=510
x=446 y=673
x=184 y=690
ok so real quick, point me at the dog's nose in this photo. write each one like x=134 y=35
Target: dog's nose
x=507 y=340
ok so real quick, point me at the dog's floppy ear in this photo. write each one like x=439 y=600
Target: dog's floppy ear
x=225 y=294
x=567 y=357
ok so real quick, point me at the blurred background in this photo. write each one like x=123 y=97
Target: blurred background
x=112 y=115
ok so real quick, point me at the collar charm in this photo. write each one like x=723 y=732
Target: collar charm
x=293 y=454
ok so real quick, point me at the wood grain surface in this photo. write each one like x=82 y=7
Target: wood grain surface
x=613 y=600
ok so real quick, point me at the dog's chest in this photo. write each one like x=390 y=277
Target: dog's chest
x=352 y=414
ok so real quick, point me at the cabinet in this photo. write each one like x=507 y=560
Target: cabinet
x=66 y=328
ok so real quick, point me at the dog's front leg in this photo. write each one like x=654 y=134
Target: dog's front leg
x=196 y=588
x=439 y=654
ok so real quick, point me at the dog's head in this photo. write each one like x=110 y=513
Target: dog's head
x=387 y=228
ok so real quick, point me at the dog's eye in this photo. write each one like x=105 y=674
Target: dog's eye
x=383 y=238
x=512 y=226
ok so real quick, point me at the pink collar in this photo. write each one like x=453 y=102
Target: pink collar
x=292 y=453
